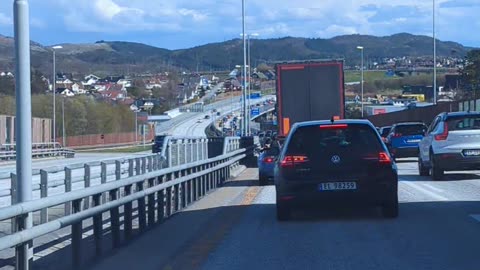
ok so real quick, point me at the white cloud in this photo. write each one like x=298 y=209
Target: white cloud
x=5 y=20
x=334 y=30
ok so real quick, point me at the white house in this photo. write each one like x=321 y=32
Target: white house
x=78 y=88
x=125 y=82
x=91 y=77
x=68 y=93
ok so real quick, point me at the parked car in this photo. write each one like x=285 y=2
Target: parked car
x=403 y=139
x=207 y=116
x=335 y=163
x=266 y=162
x=452 y=142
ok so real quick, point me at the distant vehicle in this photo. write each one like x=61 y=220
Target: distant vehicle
x=199 y=121
x=158 y=143
x=403 y=139
x=207 y=116
x=340 y=163
x=452 y=142
x=384 y=132
x=309 y=90
x=214 y=110
x=218 y=114
x=266 y=162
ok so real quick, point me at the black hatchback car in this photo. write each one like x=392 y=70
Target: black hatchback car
x=335 y=163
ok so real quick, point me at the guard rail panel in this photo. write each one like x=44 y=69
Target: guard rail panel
x=157 y=195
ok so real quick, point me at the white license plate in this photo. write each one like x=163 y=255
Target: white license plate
x=413 y=141
x=337 y=186
x=470 y=153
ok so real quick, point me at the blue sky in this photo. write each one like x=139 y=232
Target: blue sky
x=175 y=24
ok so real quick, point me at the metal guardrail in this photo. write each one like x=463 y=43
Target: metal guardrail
x=157 y=191
x=39 y=150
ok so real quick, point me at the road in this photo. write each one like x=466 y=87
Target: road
x=235 y=228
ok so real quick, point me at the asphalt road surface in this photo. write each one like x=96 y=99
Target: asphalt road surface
x=235 y=228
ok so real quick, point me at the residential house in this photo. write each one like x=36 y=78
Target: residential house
x=125 y=82
x=78 y=88
x=115 y=87
x=68 y=93
x=114 y=95
x=91 y=77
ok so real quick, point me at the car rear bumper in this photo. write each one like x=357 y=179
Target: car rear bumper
x=371 y=195
x=456 y=162
x=403 y=152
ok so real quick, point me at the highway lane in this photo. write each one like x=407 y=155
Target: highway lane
x=438 y=228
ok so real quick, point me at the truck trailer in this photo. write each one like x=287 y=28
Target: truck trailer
x=309 y=90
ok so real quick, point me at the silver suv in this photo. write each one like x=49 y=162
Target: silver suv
x=451 y=143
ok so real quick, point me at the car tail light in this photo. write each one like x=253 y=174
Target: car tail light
x=268 y=159
x=384 y=158
x=443 y=136
x=337 y=126
x=291 y=161
x=396 y=135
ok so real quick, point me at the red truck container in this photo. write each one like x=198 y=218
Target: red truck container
x=309 y=90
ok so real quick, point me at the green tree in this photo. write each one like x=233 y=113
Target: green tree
x=470 y=74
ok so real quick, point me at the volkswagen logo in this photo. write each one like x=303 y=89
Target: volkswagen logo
x=335 y=159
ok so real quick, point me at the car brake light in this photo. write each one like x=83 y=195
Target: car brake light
x=384 y=158
x=337 y=126
x=291 y=161
x=396 y=135
x=443 y=136
x=268 y=160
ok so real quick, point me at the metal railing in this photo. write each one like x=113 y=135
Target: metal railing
x=39 y=150
x=157 y=192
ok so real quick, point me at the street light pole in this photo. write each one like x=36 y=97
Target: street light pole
x=63 y=122
x=244 y=104
x=249 y=88
x=23 y=127
x=54 y=90
x=361 y=68
x=434 y=59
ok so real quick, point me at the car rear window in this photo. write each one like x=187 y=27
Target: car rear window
x=354 y=140
x=406 y=130
x=385 y=131
x=463 y=122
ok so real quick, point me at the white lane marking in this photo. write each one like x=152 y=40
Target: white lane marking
x=433 y=188
x=426 y=191
x=476 y=217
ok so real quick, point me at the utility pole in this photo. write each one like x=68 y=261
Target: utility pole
x=434 y=59
x=23 y=252
x=63 y=122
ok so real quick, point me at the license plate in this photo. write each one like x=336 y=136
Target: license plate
x=471 y=153
x=413 y=141
x=337 y=186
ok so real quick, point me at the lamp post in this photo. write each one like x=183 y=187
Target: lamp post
x=244 y=104
x=361 y=68
x=434 y=59
x=63 y=122
x=54 y=93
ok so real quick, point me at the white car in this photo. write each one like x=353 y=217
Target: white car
x=451 y=143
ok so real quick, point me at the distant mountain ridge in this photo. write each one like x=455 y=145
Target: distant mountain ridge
x=118 y=57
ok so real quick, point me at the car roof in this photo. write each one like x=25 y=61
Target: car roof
x=454 y=114
x=409 y=124
x=328 y=122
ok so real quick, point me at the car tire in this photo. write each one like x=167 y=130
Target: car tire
x=437 y=173
x=263 y=181
x=390 y=209
x=284 y=212
x=422 y=170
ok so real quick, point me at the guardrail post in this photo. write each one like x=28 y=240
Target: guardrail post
x=204 y=181
x=142 y=218
x=160 y=200
x=115 y=219
x=144 y=165
x=13 y=198
x=137 y=166
x=169 y=158
x=98 y=225
x=178 y=152
x=86 y=178
x=68 y=188
x=127 y=208
x=150 y=164
x=168 y=205
x=43 y=194
x=194 y=185
x=77 y=237
x=151 y=204
x=103 y=178
x=189 y=188
x=185 y=150
x=184 y=192
x=118 y=169
x=176 y=195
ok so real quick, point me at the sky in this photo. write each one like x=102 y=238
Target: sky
x=177 y=24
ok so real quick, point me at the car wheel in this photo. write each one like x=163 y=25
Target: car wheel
x=390 y=209
x=437 y=173
x=283 y=212
x=263 y=181
x=423 y=171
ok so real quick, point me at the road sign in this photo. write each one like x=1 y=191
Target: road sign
x=255 y=112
